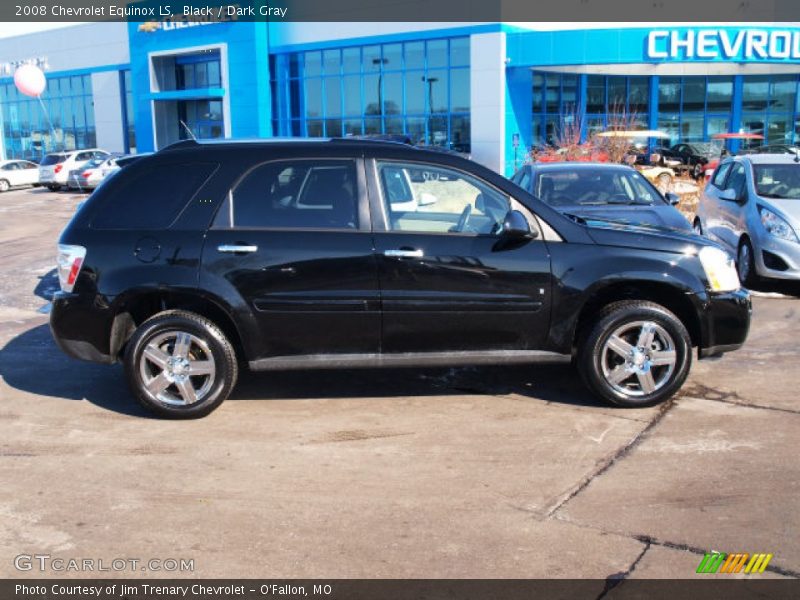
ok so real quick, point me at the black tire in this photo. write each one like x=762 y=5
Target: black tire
x=4 y=185
x=697 y=171
x=594 y=354
x=53 y=187
x=745 y=264
x=206 y=338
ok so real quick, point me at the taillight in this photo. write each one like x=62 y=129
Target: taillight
x=57 y=168
x=69 y=263
x=86 y=174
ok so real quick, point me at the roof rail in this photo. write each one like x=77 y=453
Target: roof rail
x=179 y=145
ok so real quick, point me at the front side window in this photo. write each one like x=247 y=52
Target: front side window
x=736 y=180
x=299 y=194
x=719 y=176
x=433 y=199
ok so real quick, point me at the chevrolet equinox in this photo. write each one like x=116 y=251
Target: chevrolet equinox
x=205 y=258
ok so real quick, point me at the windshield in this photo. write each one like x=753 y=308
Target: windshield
x=595 y=187
x=778 y=181
x=53 y=159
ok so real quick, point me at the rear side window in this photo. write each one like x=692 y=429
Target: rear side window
x=296 y=194
x=150 y=198
x=53 y=159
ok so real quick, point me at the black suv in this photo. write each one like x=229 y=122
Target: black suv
x=206 y=257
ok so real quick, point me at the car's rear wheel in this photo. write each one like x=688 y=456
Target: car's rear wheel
x=53 y=187
x=697 y=171
x=745 y=264
x=4 y=185
x=636 y=354
x=180 y=365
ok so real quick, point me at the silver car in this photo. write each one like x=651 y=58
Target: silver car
x=752 y=206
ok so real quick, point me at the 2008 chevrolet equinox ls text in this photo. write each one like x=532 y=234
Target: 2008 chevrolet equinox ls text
x=205 y=257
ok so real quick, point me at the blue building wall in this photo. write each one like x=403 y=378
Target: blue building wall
x=248 y=73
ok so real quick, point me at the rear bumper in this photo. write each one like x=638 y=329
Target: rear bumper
x=725 y=322
x=81 y=328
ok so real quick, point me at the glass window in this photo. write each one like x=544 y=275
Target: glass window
x=722 y=172
x=617 y=94
x=436 y=84
x=333 y=97
x=736 y=180
x=352 y=95
x=298 y=194
x=351 y=60
x=437 y=54
x=415 y=55
x=459 y=90
x=415 y=92
x=372 y=84
x=313 y=64
x=552 y=91
x=331 y=62
x=151 y=198
x=392 y=94
x=694 y=94
x=372 y=58
x=459 y=52
x=720 y=94
x=639 y=95
x=313 y=98
x=782 y=89
x=669 y=94
x=596 y=94
x=755 y=93
x=432 y=199
x=393 y=57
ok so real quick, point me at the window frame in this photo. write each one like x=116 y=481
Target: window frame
x=224 y=218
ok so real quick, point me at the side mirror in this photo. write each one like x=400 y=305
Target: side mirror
x=426 y=199
x=672 y=198
x=516 y=227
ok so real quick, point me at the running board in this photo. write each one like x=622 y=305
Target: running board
x=406 y=359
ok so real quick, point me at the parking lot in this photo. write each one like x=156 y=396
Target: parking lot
x=471 y=472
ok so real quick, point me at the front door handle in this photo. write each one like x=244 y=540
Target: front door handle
x=237 y=248
x=404 y=253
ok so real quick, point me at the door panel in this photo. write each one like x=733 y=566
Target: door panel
x=293 y=246
x=449 y=281
x=463 y=293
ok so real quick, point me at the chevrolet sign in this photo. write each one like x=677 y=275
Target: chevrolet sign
x=743 y=45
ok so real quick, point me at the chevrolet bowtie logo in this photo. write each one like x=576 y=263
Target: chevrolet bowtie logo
x=149 y=26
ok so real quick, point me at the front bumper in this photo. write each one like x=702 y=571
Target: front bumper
x=785 y=251
x=725 y=322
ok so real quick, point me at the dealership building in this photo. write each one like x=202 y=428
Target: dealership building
x=491 y=89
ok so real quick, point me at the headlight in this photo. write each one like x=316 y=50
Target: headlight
x=776 y=226
x=720 y=269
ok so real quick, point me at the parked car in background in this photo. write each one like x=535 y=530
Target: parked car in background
x=280 y=255
x=601 y=191
x=55 y=167
x=18 y=173
x=752 y=206
x=772 y=149
x=89 y=176
x=693 y=155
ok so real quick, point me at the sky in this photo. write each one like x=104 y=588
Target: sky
x=11 y=29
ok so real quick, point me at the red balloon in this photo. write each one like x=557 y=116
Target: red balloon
x=29 y=80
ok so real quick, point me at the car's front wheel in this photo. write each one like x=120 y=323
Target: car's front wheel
x=745 y=264
x=636 y=354
x=53 y=187
x=180 y=365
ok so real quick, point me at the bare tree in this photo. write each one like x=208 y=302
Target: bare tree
x=619 y=119
x=569 y=134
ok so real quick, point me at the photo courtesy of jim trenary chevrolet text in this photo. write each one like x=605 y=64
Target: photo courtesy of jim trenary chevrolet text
x=399 y=300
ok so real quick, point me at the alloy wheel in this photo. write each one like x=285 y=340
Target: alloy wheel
x=638 y=358
x=177 y=368
x=743 y=264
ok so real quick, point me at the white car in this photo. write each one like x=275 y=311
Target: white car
x=17 y=173
x=55 y=168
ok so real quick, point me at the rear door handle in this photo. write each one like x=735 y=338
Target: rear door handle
x=237 y=248
x=404 y=253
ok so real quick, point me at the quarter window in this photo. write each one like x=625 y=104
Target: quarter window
x=299 y=194
x=432 y=199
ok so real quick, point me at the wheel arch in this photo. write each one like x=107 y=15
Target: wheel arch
x=136 y=306
x=667 y=295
